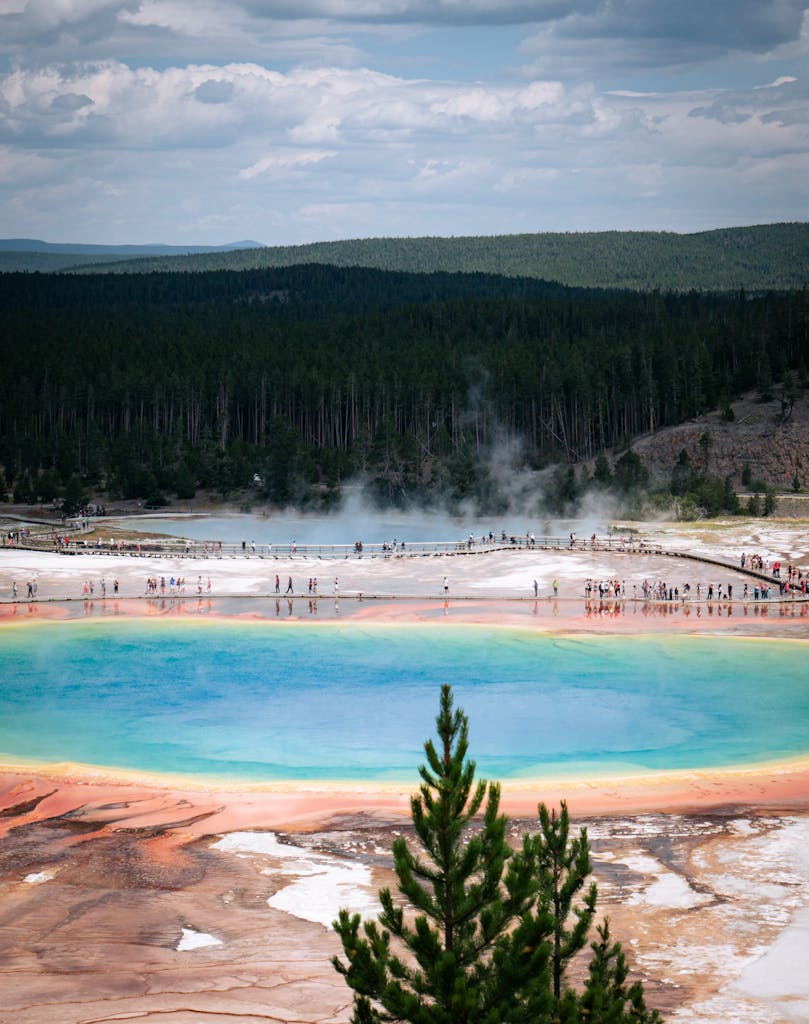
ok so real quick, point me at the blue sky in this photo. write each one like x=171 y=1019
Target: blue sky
x=191 y=121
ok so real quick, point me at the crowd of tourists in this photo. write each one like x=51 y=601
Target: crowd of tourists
x=174 y=585
x=660 y=590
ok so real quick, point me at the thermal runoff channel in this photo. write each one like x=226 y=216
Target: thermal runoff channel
x=259 y=702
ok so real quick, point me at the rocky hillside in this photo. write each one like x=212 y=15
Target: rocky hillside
x=775 y=450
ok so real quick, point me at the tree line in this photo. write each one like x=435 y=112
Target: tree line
x=299 y=378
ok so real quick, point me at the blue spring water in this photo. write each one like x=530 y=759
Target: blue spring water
x=262 y=702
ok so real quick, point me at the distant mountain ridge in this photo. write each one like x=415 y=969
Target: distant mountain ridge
x=85 y=249
x=32 y=255
x=758 y=258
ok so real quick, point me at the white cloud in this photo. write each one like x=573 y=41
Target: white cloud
x=141 y=32
x=590 y=37
x=279 y=162
x=436 y=177
x=477 y=104
x=317 y=128
x=566 y=38
x=208 y=100
x=197 y=20
x=781 y=80
x=341 y=142
x=45 y=15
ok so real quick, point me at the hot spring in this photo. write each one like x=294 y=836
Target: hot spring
x=262 y=702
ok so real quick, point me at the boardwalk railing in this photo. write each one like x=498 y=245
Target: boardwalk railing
x=69 y=543
x=70 y=540
x=41 y=536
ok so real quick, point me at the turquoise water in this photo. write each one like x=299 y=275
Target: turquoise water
x=251 y=702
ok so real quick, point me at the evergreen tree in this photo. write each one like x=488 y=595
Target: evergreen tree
x=46 y=486
x=492 y=931
x=606 y=998
x=630 y=471
x=730 y=500
x=24 y=490
x=705 y=445
x=681 y=475
x=788 y=395
x=563 y=869
x=765 y=382
x=475 y=953
x=75 y=497
x=602 y=473
x=184 y=484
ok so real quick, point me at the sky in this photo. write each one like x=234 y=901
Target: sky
x=289 y=121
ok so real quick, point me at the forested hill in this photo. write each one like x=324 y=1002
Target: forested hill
x=298 y=292
x=760 y=258
x=157 y=384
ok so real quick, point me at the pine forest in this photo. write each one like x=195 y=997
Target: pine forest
x=300 y=378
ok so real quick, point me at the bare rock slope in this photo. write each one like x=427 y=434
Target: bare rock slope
x=775 y=449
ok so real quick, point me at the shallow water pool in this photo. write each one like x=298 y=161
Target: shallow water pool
x=267 y=701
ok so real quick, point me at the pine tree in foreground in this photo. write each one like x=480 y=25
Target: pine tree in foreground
x=563 y=869
x=607 y=999
x=489 y=931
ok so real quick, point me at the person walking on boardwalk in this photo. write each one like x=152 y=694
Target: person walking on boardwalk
x=277 y=584
x=536 y=589
x=556 y=588
x=290 y=589
x=446 y=585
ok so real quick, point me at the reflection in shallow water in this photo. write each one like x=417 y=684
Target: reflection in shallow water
x=673 y=609
x=591 y=610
